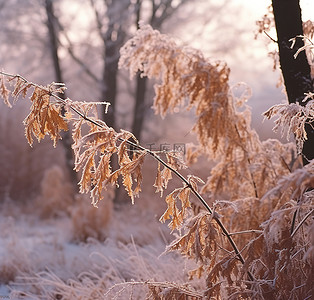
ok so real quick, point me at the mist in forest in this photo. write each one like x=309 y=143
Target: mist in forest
x=54 y=243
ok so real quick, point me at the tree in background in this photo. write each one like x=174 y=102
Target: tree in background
x=286 y=17
x=296 y=70
x=112 y=30
x=160 y=12
x=115 y=20
x=250 y=228
x=53 y=32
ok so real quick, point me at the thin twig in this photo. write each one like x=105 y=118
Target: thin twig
x=246 y=231
x=270 y=37
x=249 y=162
x=302 y=221
x=17 y=76
x=293 y=220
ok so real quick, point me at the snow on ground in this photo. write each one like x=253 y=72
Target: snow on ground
x=37 y=256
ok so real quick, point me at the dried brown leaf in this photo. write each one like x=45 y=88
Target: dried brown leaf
x=44 y=118
x=200 y=240
x=93 y=154
x=4 y=92
x=158 y=181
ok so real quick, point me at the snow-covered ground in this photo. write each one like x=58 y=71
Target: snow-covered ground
x=39 y=257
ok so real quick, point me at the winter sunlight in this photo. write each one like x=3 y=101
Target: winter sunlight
x=156 y=149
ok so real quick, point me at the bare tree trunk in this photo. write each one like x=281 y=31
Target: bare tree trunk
x=66 y=136
x=139 y=108
x=296 y=71
x=161 y=11
x=113 y=39
x=141 y=86
x=110 y=74
x=53 y=39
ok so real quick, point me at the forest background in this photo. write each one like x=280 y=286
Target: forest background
x=38 y=180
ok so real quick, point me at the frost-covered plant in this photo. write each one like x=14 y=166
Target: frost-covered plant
x=88 y=222
x=56 y=194
x=251 y=228
x=293 y=117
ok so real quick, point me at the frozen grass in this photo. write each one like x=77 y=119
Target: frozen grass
x=111 y=265
x=57 y=245
x=41 y=261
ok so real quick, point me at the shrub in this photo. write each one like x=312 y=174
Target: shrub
x=88 y=222
x=251 y=235
x=56 y=195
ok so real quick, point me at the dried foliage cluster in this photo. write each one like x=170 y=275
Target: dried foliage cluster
x=253 y=236
x=293 y=117
x=184 y=74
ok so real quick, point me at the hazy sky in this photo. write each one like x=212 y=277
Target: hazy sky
x=258 y=7
x=307 y=9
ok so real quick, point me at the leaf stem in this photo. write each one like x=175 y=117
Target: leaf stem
x=246 y=231
x=302 y=221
